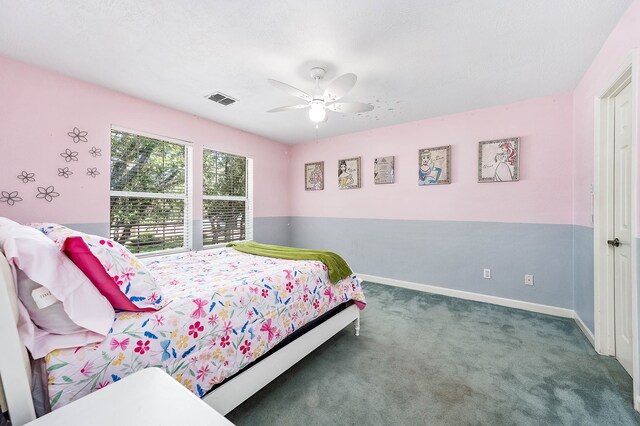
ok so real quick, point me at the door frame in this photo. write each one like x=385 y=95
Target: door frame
x=604 y=309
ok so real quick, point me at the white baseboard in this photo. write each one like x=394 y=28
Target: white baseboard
x=510 y=303
x=585 y=330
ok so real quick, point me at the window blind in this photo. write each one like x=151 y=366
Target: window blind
x=150 y=196
x=227 y=205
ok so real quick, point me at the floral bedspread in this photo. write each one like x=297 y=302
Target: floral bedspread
x=225 y=309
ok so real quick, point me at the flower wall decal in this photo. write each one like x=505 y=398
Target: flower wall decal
x=92 y=171
x=64 y=172
x=47 y=193
x=9 y=197
x=69 y=155
x=26 y=177
x=78 y=135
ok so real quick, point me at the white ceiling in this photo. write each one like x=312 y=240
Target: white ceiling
x=414 y=58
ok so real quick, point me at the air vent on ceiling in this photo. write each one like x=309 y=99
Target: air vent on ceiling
x=221 y=98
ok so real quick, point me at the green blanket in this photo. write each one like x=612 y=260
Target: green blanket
x=338 y=268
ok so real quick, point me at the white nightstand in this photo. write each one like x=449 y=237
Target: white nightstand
x=148 y=397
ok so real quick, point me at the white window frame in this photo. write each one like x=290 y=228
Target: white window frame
x=187 y=197
x=248 y=198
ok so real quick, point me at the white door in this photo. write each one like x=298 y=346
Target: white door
x=621 y=244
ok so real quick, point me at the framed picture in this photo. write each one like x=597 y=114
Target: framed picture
x=434 y=165
x=498 y=160
x=383 y=170
x=349 y=173
x=314 y=176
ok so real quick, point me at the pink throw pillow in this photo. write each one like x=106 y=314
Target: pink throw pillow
x=80 y=253
x=113 y=269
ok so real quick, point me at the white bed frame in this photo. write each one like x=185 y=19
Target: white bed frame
x=15 y=368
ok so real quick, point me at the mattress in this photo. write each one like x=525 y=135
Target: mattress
x=226 y=309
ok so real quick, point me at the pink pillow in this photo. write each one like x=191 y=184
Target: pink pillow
x=40 y=260
x=113 y=269
x=80 y=253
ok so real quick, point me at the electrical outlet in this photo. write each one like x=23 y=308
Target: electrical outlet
x=528 y=280
x=486 y=273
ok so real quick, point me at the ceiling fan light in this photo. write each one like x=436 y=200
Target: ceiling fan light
x=317 y=113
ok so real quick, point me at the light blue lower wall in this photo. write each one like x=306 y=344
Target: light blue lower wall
x=583 y=282
x=447 y=254
x=272 y=230
x=452 y=254
x=100 y=229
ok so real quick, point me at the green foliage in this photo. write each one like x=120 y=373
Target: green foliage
x=147 y=224
x=224 y=221
x=143 y=164
x=224 y=174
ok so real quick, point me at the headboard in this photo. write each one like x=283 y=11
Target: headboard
x=15 y=368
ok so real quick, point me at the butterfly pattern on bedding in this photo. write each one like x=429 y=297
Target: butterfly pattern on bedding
x=225 y=309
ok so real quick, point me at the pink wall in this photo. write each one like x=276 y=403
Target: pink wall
x=38 y=108
x=624 y=38
x=543 y=195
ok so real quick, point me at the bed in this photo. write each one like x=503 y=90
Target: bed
x=233 y=323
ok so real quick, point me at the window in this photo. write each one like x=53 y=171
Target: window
x=150 y=193
x=227 y=211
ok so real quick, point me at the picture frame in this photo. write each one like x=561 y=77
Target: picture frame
x=499 y=160
x=349 y=173
x=314 y=176
x=434 y=166
x=383 y=170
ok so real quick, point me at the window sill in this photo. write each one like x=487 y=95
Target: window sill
x=215 y=246
x=153 y=254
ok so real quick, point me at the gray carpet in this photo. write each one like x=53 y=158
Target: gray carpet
x=427 y=359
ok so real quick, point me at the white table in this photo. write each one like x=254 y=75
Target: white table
x=148 y=397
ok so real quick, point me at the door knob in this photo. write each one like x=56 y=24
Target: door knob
x=614 y=243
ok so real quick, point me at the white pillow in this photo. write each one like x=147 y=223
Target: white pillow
x=51 y=318
x=31 y=252
x=7 y=222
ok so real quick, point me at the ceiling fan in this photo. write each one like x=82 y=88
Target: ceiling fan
x=321 y=101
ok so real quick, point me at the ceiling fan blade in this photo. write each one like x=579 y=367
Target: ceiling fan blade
x=340 y=87
x=291 y=90
x=288 y=108
x=350 y=107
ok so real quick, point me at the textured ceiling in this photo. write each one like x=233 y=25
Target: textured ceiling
x=414 y=58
